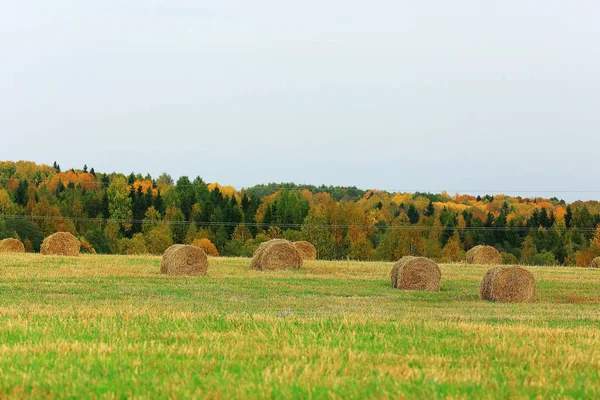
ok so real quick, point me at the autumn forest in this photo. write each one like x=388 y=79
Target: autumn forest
x=138 y=214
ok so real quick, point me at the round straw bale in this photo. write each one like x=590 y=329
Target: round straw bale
x=307 y=250
x=595 y=263
x=416 y=273
x=508 y=285
x=484 y=255
x=61 y=244
x=280 y=255
x=485 y=286
x=257 y=256
x=11 y=245
x=184 y=260
x=471 y=254
x=167 y=253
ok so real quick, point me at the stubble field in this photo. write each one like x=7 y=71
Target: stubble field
x=113 y=327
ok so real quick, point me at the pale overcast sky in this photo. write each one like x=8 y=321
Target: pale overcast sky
x=419 y=95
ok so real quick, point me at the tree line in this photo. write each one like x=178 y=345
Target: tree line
x=115 y=213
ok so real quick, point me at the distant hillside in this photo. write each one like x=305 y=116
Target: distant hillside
x=134 y=213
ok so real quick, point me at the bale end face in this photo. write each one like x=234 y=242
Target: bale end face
x=279 y=254
x=595 y=263
x=416 y=273
x=256 y=262
x=307 y=250
x=61 y=244
x=184 y=260
x=508 y=285
x=11 y=246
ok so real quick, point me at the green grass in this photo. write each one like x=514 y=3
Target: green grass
x=112 y=327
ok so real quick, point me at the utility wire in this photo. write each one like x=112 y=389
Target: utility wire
x=281 y=225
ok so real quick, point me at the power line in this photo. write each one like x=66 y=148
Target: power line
x=297 y=226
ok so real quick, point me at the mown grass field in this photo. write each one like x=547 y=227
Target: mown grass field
x=113 y=327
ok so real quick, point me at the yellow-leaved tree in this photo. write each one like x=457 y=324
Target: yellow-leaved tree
x=208 y=246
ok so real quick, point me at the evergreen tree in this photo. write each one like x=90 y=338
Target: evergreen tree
x=568 y=217
x=60 y=187
x=245 y=202
x=105 y=212
x=186 y=194
x=430 y=210
x=21 y=196
x=159 y=205
x=413 y=214
x=543 y=218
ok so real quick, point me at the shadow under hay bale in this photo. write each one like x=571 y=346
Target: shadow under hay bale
x=184 y=260
x=61 y=244
x=307 y=250
x=484 y=255
x=595 y=263
x=276 y=254
x=508 y=285
x=11 y=246
x=416 y=273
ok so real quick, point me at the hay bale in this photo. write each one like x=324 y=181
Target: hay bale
x=508 y=285
x=257 y=256
x=280 y=255
x=11 y=246
x=595 y=263
x=416 y=273
x=484 y=255
x=185 y=260
x=471 y=254
x=276 y=254
x=60 y=244
x=166 y=255
x=307 y=250
x=485 y=286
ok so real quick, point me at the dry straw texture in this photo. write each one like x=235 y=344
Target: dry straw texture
x=276 y=254
x=307 y=250
x=484 y=255
x=257 y=256
x=508 y=285
x=61 y=244
x=595 y=263
x=166 y=256
x=416 y=273
x=185 y=260
x=11 y=246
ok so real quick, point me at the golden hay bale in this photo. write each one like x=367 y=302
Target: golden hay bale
x=471 y=254
x=508 y=285
x=257 y=256
x=11 y=246
x=307 y=250
x=181 y=259
x=416 y=273
x=484 y=255
x=166 y=255
x=595 y=263
x=280 y=255
x=61 y=244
